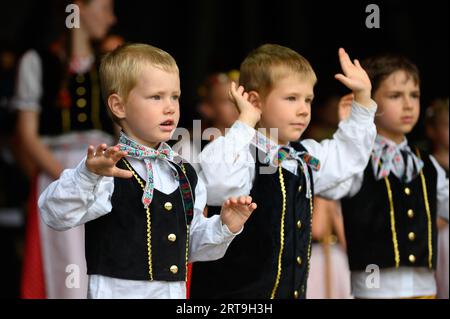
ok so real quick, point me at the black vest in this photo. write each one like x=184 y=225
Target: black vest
x=117 y=243
x=367 y=221
x=81 y=110
x=250 y=266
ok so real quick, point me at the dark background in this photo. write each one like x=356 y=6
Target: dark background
x=212 y=35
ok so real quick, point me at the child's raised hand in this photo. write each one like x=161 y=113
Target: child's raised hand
x=345 y=106
x=355 y=78
x=249 y=114
x=103 y=161
x=236 y=211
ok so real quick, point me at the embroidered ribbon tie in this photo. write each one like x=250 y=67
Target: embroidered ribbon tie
x=138 y=151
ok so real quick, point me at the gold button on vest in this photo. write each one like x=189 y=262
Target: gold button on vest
x=168 y=206
x=296 y=294
x=411 y=236
x=300 y=188
x=173 y=269
x=412 y=259
x=172 y=237
x=299 y=224
x=407 y=191
x=299 y=260
x=410 y=213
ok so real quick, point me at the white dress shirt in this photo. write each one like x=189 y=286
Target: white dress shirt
x=80 y=196
x=228 y=167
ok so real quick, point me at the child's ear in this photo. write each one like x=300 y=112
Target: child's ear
x=116 y=106
x=255 y=99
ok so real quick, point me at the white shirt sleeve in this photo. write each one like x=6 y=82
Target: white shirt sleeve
x=227 y=165
x=209 y=238
x=28 y=91
x=441 y=190
x=77 y=197
x=346 y=155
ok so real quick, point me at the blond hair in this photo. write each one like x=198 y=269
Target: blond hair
x=270 y=62
x=120 y=68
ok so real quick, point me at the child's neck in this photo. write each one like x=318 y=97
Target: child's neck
x=396 y=138
x=81 y=45
x=266 y=132
x=154 y=145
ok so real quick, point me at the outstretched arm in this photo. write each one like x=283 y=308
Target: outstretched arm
x=344 y=158
x=84 y=193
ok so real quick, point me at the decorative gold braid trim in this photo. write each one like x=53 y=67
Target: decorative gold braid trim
x=149 y=223
x=392 y=216
x=283 y=213
x=187 y=232
x=311 y=205
x=427 y=209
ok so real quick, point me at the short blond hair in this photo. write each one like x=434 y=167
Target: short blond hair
x=268 y=63
x=120 y=68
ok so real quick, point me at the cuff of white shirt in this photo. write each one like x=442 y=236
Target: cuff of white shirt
x=228 y=233
x=363 y=114
x=241 y=134
x=84 y=177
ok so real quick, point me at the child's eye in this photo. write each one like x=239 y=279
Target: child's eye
x=175 y=97
x=415 y=95
x=309 y=101
x=155 y=97
x=291 y=98
x=394 y=96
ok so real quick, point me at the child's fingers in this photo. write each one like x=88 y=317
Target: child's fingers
x=252 y=207
x=242 y=200
x=248 y=200
x=90 y=152
x=345 y=61
x=110 y=151
x=233 y=201
x=343 y=79
x=122 y=173
x=118 y=155
x=100 y=149
x=358 y=64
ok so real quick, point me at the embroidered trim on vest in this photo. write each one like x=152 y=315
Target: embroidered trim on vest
x=189 y=197
x=392 y=218
x=283 y=213
x=427 y=209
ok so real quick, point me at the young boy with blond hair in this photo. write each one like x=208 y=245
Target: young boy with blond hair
x=141 y=205
x=270 y=259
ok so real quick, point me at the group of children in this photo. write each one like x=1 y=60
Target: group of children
x=143 y=205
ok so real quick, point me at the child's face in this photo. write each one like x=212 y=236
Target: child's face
x=398 y=99
x=97 y=17
x=152 y=110
x=288 y=107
